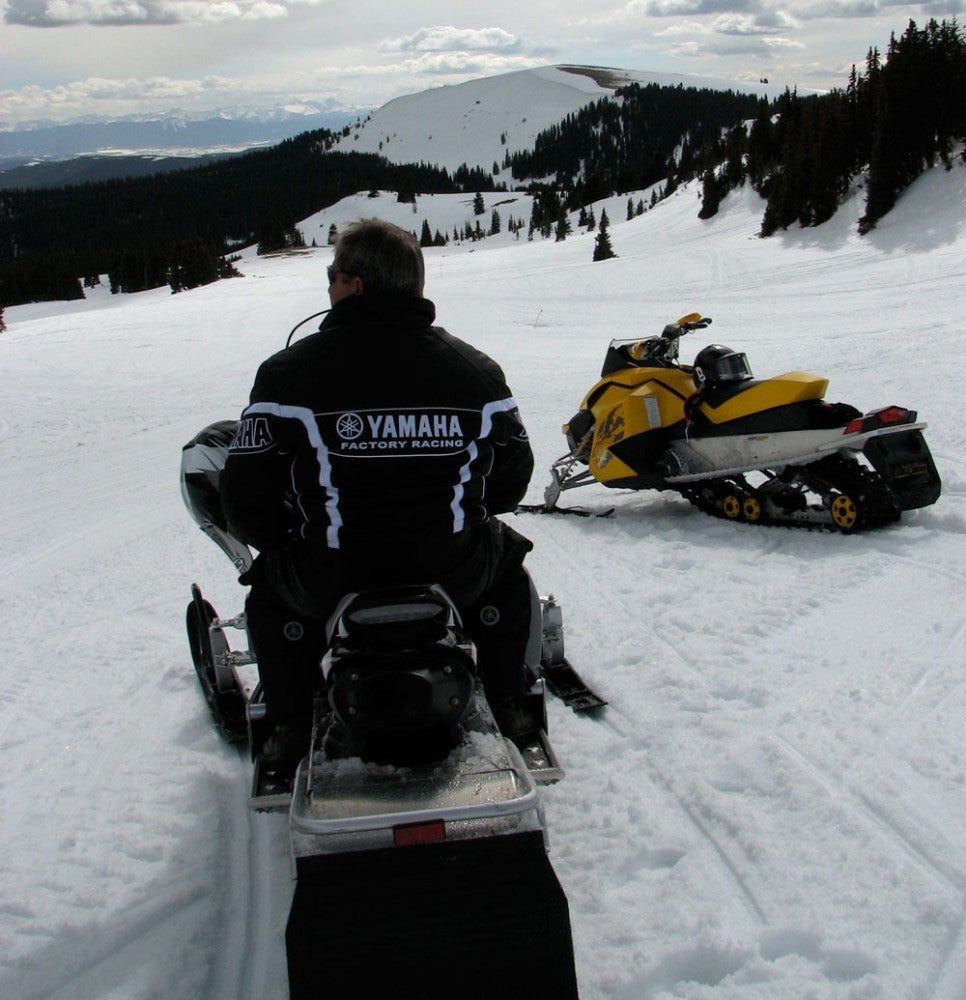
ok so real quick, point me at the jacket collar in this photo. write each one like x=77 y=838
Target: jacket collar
x=375 y=310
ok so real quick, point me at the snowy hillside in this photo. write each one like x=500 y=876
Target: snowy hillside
x=477 y=123
x=772 y=806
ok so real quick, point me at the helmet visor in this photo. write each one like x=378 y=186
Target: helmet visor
x=733 y=368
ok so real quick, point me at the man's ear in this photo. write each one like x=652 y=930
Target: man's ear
x=356 y=285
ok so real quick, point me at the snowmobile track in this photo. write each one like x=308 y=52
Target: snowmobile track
x=868 y=504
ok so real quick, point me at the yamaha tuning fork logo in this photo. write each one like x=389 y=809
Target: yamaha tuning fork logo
x=349 y=426
x=400 y=432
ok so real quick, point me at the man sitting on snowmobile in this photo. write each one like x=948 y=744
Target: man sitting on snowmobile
x=375 y=452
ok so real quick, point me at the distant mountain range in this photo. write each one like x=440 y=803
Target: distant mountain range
x=475 y=123
x=42 y=154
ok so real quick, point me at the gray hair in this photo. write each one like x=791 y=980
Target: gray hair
x=385 y=257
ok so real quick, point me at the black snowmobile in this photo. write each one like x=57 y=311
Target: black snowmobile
x=417 y=830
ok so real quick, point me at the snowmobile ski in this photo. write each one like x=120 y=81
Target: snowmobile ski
x=213 y=663
x=545 y=508
x=566 y=684
x=559 y=674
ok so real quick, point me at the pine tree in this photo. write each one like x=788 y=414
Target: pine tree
x=193 y=263
x=226 y=267
x=711 y=190
x=479 y=207
x=602 y=248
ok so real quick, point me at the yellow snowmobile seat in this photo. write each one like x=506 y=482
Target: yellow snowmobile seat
x=791 y=387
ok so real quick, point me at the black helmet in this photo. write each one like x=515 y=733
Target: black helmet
x=202 y=460
x=717 y=363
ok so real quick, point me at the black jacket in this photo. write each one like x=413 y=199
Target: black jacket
x=381 y=432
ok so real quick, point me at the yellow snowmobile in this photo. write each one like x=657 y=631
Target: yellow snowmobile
x=764 y=451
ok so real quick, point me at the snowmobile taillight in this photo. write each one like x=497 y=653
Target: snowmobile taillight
x=879 y=418
x=894 y=415
x=409 y=834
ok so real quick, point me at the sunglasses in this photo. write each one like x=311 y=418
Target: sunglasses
x=331 y=272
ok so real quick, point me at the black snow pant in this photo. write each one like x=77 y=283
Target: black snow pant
x=293 y=594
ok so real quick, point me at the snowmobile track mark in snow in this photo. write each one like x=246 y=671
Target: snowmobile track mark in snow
x=860 y=803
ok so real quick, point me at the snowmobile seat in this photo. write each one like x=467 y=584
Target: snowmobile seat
x=731 y=400
x=393 y=618
x=398 y=664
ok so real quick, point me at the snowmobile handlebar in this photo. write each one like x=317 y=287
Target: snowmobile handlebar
x=665 y=347
x=693 y=321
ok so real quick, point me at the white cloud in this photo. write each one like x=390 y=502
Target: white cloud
x=674 y=8
x=57 y=13
x=759 y=24
x=81 y=96
x=445 y=38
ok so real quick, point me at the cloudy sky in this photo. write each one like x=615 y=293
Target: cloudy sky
x=61 y=59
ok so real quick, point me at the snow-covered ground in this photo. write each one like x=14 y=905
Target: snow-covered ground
x=771 y=808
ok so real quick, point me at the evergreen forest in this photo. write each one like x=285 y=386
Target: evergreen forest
x=903 y=114
x=177 y=227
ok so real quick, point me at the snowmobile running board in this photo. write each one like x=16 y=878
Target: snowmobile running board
x=272 y=784
x=810 y=456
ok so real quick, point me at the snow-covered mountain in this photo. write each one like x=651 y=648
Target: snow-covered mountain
x=478 y=122
x=772 y=805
